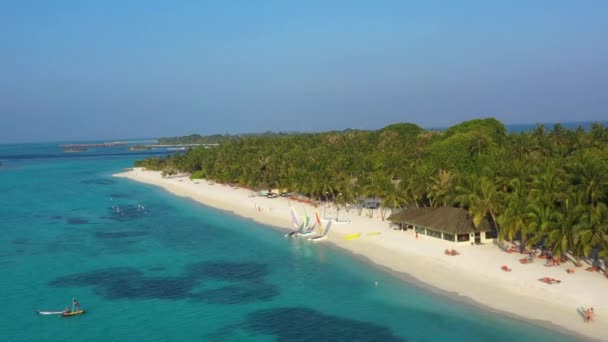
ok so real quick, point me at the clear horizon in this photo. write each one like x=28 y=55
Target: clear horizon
x=92 y=71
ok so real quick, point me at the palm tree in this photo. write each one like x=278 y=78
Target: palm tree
x=563 y=236
x=393 y=198
x=513 y=220
x=542 y=218
x=550 y=185
x=593 y=233
x=440 y=187
x=481 y=201
x=591 y=174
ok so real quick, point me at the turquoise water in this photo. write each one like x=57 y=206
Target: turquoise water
x=150 y=266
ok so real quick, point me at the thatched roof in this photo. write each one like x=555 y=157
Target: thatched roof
x=444 y=219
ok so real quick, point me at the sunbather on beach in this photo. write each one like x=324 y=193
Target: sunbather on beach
x=587 y=316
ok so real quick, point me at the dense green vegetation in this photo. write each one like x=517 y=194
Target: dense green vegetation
x=209 y=139
x=542 y=187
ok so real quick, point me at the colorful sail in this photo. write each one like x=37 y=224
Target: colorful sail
x=294 y=218
x=319 y=224
x=327 y=229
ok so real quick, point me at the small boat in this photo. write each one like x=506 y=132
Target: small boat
x=352 y=236
x=72 y=313
x=323 y=235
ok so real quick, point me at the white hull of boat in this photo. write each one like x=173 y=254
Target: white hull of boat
x=318 y=238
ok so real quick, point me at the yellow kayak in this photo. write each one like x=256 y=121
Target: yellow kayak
x=352 y=236
x=73 y=313
x=373 y=233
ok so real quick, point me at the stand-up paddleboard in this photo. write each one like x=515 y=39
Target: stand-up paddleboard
x=49 y=312
x=72 y=313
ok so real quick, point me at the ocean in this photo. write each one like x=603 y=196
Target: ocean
x=150 y=266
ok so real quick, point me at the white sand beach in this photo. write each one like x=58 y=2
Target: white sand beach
x=474 y=274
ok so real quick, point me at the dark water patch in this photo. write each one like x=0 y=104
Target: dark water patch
x=146 y=288
x=119 y=235
x=126 y=212
x=19 y=251
x=77 y=220
x=230 y=332
x=97 y=277
x=120 y=283
x=238 y=294
x=99 y=181
x=124 y=282
x=56 y=217
x=228 y=271
x=20 y=241
x=301 y=324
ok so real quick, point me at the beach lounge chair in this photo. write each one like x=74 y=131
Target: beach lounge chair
x=503 y=247
x=549 y=281
x=551 y=263
x=592 y=269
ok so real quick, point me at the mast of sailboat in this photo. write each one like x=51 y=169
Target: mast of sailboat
x=294 y=218
x=319 y=224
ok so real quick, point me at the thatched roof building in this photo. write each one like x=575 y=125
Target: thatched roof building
x=447 y=222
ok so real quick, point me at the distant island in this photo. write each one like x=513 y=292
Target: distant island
x=140 y=148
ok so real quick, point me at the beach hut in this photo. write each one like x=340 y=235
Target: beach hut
x=446 y=223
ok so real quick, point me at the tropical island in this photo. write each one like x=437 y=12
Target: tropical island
x=542 y=192
x=546 y=185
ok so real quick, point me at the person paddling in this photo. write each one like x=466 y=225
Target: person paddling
x=75 y=305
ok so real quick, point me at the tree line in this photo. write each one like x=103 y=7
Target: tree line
x=545 y=186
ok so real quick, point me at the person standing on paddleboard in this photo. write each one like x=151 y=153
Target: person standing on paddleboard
x=75 y=305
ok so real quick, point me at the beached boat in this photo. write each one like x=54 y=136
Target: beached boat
x=307 y=229
x=294 y=221
x=323 y=233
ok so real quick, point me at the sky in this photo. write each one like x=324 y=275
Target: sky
x=74 y=70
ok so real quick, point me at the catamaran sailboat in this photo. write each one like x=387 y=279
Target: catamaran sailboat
x=322 y=233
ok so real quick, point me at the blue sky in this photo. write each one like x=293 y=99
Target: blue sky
x=115 y=69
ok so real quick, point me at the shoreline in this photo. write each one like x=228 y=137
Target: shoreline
x=473 y=278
